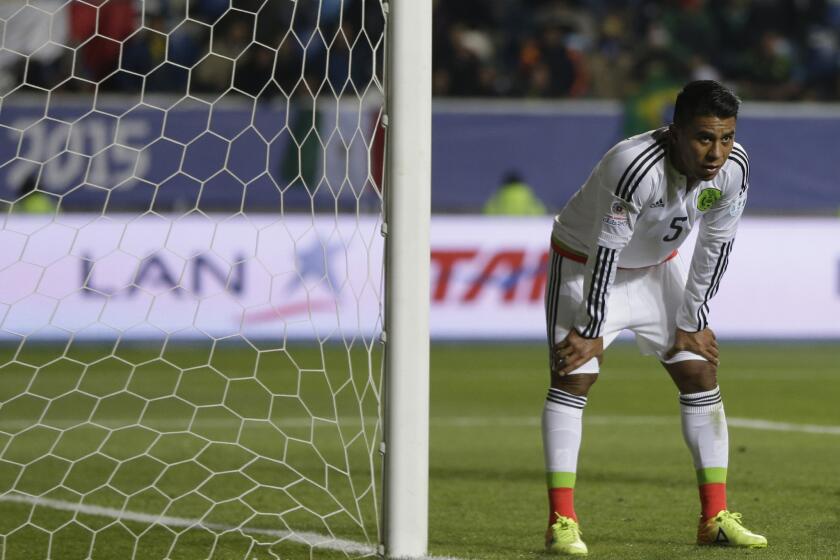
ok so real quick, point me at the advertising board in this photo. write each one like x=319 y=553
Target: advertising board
x=297 y=277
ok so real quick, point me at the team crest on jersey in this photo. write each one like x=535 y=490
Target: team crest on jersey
x=707 y=198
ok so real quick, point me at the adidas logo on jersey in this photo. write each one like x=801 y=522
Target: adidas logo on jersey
x=658 y=204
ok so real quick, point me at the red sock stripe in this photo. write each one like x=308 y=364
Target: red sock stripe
x=561 y=501
x=712 y=499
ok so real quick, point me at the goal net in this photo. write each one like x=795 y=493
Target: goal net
x=190 y=278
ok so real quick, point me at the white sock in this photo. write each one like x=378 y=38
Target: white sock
x=704 y=428
x=561 y=430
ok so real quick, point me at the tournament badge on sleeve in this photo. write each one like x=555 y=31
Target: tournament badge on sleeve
x=737 y=205
x=707 y=198
x=617 y=216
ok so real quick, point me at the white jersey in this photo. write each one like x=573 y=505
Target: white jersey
x=635 y=210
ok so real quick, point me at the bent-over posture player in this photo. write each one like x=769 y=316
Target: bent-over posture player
x=612 y=268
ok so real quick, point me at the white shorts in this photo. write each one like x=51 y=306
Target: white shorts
x=642 y=300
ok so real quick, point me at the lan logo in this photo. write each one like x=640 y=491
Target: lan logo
x=315 y=267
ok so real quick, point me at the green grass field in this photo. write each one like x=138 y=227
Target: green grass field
x=636 y=493
x=275 y=441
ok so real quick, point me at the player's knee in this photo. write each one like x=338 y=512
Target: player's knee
x=706 y=375
x=694 y=376
x=577 y=384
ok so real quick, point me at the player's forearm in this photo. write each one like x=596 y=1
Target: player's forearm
x=708 y=266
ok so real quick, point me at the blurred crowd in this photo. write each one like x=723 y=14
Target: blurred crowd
x=766 y=49
x=261 y=48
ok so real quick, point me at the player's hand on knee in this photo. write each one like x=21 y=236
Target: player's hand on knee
x=574 y=351
x=703 y=343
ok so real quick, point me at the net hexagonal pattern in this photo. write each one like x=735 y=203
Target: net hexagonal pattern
x=190 y=278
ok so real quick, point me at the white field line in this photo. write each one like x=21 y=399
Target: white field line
x=603 y=420
x=314 y=540
x=755 y=424
x=15 y=425
x=310 y=539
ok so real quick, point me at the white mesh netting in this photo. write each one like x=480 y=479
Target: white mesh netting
x=190 y=278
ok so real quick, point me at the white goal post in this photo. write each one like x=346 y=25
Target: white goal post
x=407 y=218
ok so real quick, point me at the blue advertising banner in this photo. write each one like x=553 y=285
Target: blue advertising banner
x=164 y=154
x=794 y=152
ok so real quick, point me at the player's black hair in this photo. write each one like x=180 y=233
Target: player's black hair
x=705 y=98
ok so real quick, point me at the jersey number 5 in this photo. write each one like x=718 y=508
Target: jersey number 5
x=678 y=229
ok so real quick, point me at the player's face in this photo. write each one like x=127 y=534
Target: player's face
x=703 y=145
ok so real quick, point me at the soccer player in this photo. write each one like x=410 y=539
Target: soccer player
x=613 y=267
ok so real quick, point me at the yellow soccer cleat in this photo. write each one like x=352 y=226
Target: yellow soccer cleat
x=725 y=529
x=563 y=537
